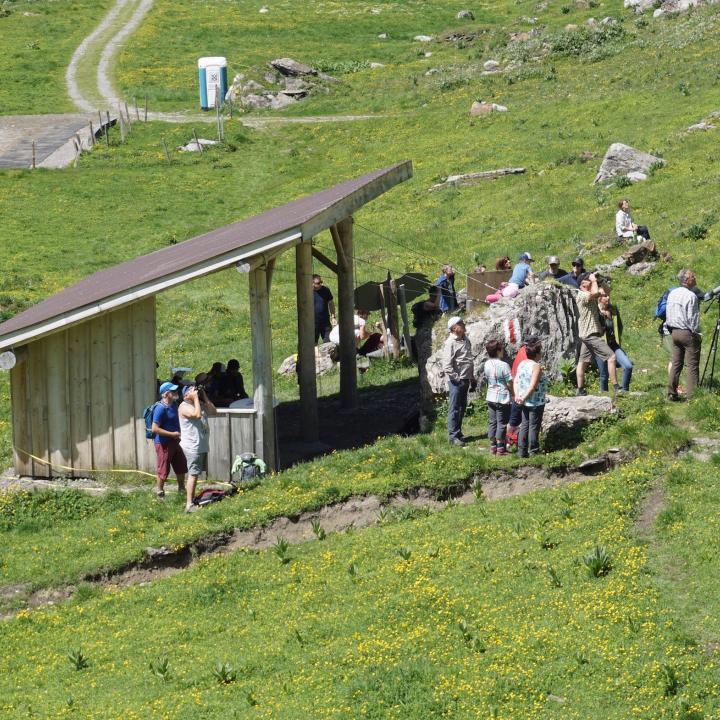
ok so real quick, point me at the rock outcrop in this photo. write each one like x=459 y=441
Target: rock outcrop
x=564 y=413
x=622 y=159
x=547 y=310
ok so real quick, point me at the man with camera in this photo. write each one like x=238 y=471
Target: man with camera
x=591 y=329
x=195 y=436
x=682 y=317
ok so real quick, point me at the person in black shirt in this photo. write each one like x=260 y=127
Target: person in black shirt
x=232 y=386
x=324 y=309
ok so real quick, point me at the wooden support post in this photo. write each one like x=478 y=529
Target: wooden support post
x=262 y=368
x=137 y=111
x=406 y=325
x=343 y=238
x=146 y=108
x=306 y=342
x=33 y=154
x=392 y=316
x=107 y=128
x=92 y=135
x=326 y=261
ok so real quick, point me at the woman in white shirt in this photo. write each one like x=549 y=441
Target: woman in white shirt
x=499 y=394
x=625 y=228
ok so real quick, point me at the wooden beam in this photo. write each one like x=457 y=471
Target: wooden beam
x=262 y=368
x=270 y=268
x=324 y=259
x=351 y=203
x=342 y=261
x=306 y=342
x=346 y=308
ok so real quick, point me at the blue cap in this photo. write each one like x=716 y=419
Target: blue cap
x=166 y=387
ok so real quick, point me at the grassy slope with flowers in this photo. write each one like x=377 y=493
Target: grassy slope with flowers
x=607 y=647
x=491 y=613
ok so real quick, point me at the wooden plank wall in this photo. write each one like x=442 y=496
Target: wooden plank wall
x=78 y=395
x=231 y=433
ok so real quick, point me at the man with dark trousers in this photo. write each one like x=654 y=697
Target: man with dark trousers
x=324 y=309
x=682 y=317
x=459 y=369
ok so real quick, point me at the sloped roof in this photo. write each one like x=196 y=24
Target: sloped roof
x=149 y=274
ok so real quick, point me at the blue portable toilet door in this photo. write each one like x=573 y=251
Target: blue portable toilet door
x=203 y=89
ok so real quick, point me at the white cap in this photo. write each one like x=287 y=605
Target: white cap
x=453 y=321
x=527 y=255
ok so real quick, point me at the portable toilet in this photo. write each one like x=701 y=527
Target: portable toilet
x=213 y=81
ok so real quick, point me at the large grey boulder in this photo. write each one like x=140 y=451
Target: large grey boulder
x=255 y=102
x=564 y=413
x=622 y=159
x=546 y=309
x=288 y=66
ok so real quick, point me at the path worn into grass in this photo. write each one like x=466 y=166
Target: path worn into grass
x=354 y=513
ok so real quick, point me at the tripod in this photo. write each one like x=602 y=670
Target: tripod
x=712 y=352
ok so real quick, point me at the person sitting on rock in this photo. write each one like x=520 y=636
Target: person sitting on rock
x=530 y=395
x=625 y=228
x=365 y=341
x=554 y=271
x=577 y=273
x=610 y=316
x=522 y=275
x=498 y=396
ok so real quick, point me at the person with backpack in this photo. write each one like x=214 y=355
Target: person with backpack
x=195 y=436
x=530 y=394
x=447 y=301
x=166 y=435
x=499 y=393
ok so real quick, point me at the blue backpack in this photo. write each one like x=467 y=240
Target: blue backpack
x=148 y=418
x=661 y=307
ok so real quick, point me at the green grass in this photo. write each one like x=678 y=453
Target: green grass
x=38 y=40
x=456 y=613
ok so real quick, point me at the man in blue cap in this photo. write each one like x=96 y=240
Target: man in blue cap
x=166 y=433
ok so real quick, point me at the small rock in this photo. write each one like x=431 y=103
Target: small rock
x=642 y=252
x=252 y=87
x=193 y=146
x=376 y=65
x=465 y=15
x=432 y=71
x=480 y=108
x=491 y=65
x=701 y=126
x=423 y=38
x=641 y=268
x=288 y=66
x=264 y=9
x=636 y=176
x=383 y=36
x=271 y=77
x=281 y=101
x=658 y=12
x=608 y=20
x=295 y=86
x=428 y=54
x=639 y=5
x=327 y=78
x=570 y=27
x=591 y=21
x=499 y=108
x=618 y=262
x=520 y=36
x=255 y=102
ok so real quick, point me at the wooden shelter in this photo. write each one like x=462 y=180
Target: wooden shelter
x=85 y=357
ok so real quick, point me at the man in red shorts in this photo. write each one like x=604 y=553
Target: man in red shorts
x=166 y=431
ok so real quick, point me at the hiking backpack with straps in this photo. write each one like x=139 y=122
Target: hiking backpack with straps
x=148 y=418
x=661 y=307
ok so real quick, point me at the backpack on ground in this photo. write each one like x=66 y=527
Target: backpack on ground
x=148 y=418
x=249 y=468
x=209 y=496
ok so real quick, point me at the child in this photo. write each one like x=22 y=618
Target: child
x=530 y=393
x=499 y=392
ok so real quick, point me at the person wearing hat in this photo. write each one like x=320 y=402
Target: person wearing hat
x=554 y=271
x=459 y=369
x=522 y=272
x=166 y=436
x=195 y=436
x=576 y=275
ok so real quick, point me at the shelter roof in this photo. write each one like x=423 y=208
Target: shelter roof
x=262 y=235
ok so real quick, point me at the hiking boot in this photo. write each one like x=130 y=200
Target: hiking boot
x=581 y=392
x=674 y=397
x=501 y=450
x=617 y=390
x=457 y=442
x=160 y=495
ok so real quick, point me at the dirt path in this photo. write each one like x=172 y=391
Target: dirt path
x=356 y=513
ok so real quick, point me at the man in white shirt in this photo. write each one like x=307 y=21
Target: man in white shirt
x=683 y=320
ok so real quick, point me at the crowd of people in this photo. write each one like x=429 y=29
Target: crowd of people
x=515 y=395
